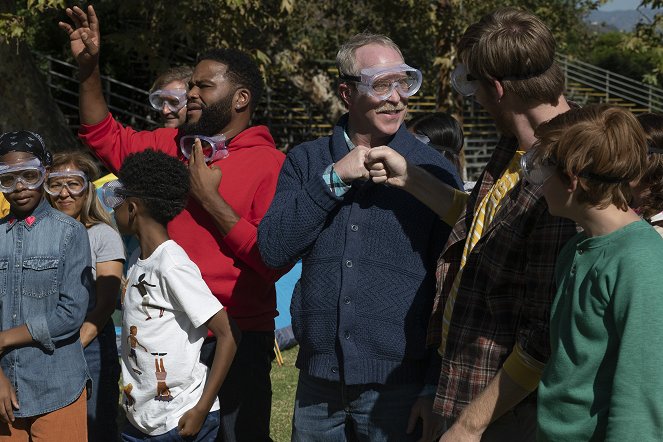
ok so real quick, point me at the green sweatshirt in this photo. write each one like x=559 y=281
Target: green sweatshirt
x=604 y=379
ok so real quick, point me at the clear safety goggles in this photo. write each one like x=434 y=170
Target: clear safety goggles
x=214 y=148
x=535 y=169
x=379 y=82
x=464 y=83
x=75 y=181
x=173 y=99
x=30 y=173
x=113 y=194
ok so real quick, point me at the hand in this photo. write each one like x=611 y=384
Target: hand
x=204 y=180
x=84 y=39
x=458 y=433
x=351 y=166
x=387 y=166
x=8 y=400
x=192 y=421
x=432 y=423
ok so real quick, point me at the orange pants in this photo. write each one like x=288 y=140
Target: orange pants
x=68 y=424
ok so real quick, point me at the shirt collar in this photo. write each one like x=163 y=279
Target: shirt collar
x=32 y=219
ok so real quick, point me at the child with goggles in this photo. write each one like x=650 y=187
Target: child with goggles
x=380 y=82
x=154 y=188
x=45 y=266
x=69 y=190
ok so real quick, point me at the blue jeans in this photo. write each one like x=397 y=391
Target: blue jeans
x=207 y=432
x=334 y=412
x=104 y=368
x=246 y=394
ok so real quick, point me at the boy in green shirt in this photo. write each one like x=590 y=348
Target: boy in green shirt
x=603 y=380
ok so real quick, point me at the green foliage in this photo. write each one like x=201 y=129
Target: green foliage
x=611 y=51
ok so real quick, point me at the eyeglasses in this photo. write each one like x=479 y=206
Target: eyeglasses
x=214 y=148
x=379 y=82
x=75 y=181
x=173 y=99
x=113 y=194
x=29 y=173
x=464 y=83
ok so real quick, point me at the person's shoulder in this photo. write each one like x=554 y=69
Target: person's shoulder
x=103 y=230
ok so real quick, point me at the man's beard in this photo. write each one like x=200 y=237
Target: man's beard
x=213 y=119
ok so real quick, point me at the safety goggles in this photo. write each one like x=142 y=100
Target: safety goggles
x=30 y=173
x=75 y=181
x=535 y=169
x=538 y=170
x=173 y=99
x=379 y=82
x=113 y=194
x=214 y=148
x=464 y=83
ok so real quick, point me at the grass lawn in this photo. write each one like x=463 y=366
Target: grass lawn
x=284 y=384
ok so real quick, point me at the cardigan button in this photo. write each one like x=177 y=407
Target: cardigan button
x=348 y=263
x=347 y=335
x=354 y=227
x=346 y=300
x=334 y=369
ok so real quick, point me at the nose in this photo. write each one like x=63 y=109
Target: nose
x=164 y=109
x=193 y=92
x=394 y=97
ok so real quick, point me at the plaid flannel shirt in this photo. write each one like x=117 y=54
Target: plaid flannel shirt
x=506 y=288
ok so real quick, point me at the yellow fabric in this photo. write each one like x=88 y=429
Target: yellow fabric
x=457 y=206
x=103 y=180
x=523 y=369
x=4 y=206
x=483 y=216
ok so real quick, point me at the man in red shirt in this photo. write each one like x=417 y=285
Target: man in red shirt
x=229 y=196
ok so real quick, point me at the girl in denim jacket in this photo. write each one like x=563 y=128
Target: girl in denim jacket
x=44 y=292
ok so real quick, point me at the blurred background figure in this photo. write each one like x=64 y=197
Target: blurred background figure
x=69 y=189
x=168 y=95
x=648 y=193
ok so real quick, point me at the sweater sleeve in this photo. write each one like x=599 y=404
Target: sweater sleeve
x=111 y=142
x=297 y=214
x=243 y=237
x=636 y=408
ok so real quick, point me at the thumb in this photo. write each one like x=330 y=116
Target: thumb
x=14 y=400
x=412 y=421
x=89 y=44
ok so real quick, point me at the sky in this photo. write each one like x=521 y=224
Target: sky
x=620 y=5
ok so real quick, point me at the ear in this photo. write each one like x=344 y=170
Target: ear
x=570 y=181
x=499 y=90
x=242 y=99
x=345 y=91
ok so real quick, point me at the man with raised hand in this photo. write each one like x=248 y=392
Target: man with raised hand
x=368 y=254
x=230 y=192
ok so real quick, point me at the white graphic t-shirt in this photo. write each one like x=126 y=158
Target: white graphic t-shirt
x=165 y=307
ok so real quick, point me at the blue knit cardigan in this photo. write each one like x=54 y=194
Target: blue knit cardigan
x=361 y=307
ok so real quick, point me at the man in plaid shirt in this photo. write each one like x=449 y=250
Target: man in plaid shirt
x=495 y=274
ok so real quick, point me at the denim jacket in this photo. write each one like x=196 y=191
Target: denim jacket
x=44 y=283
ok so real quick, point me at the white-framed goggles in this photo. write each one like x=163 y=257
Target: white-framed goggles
x=173 y=99
x=75 y=181
x=30 y=173
x=113 y=194
x=464 y=83
x=379 y=81
x=214 y=148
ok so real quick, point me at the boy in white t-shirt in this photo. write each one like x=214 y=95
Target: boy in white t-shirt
x=167 y=309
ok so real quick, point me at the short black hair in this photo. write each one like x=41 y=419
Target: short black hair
x=160 y=181
x=242 y=70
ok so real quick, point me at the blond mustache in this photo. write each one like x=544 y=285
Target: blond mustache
x=390 y=108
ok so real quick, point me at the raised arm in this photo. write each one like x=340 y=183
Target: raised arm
x=84 y=39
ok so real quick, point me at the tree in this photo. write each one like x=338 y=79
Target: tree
x=28 y=102
x=648 y=38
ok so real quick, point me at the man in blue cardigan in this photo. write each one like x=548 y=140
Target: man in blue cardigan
x=360 y=309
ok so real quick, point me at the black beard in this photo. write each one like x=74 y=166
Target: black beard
x=213 y=119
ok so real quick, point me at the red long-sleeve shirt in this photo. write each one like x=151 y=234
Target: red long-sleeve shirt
x=231 y=265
